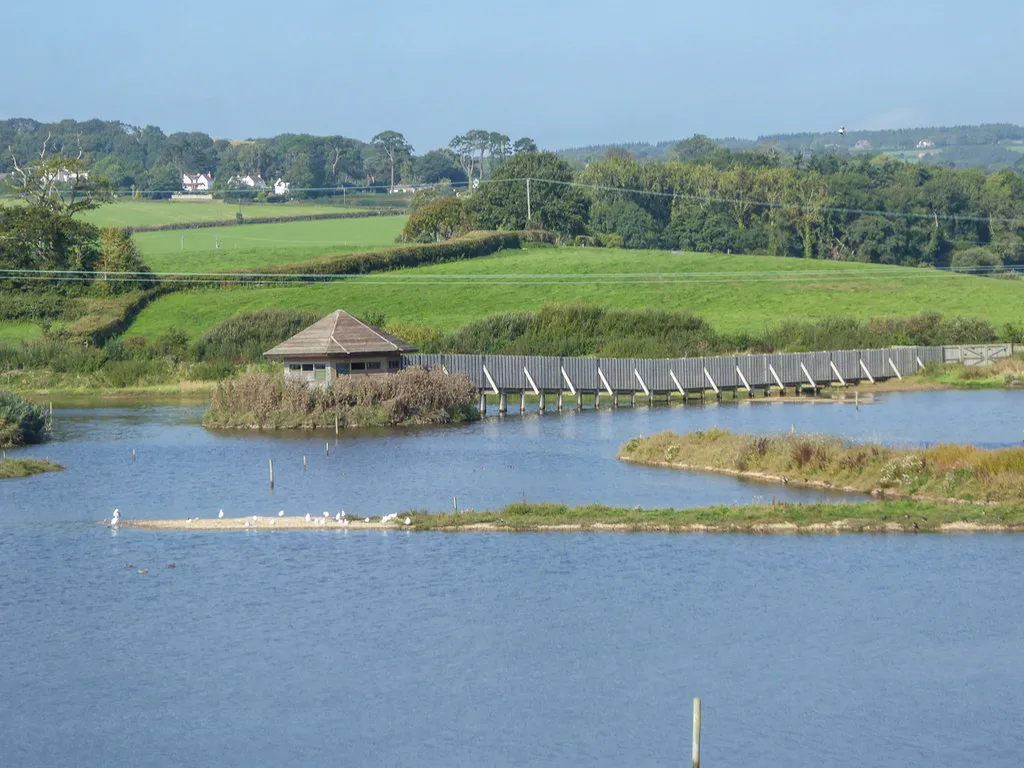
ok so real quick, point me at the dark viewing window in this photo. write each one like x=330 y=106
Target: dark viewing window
x=307 y=366
x=358 y=366
x=341 y=369
x=394 y=365
x=373 y=366
x=294 y=367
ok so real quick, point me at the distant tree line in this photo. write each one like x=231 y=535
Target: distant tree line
x=868 y=209
x=146 y=160
x=991 y=147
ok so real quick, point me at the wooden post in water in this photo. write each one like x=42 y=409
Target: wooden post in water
x=559 y=401
x=579 y=400
x=540 y=401
x=327 y=448
x=503 y=402
x=483 y=403
x=522 y=403
x=597 y=399
x=696 y=733
x=133 y=454
x=455 y=504
x=303 y=463
x=856 y=400
x=615 y=400
x=271 y=474
x=335 y=425
x=632 y=399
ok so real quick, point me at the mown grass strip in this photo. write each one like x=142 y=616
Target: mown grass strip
x=942 y=472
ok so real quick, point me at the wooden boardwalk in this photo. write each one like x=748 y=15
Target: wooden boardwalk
x=544 y=377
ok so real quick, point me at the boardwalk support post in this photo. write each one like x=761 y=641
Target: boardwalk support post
x=771 y=370
x=271 y=474
x=807 y=373
x=867 y=372
x=743 y=378
x=503 y=402
x=568 y=381
x=529 y=378
x=837 y=373
x=714 y=386
x=490 y=381
x=895 y=369
x=643 y=385
x=607 y=386
x=676 y=382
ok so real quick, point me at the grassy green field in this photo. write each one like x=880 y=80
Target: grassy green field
x=218 y=249
x=735 y=293
x=141 y=213
x=12 y=333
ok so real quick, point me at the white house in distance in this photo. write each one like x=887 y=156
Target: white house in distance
x=280 y=186
x=250 y=181
x=197 y=182
x=926 y=144
x=64 y=176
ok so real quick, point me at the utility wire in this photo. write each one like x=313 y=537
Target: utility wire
x=671 y=195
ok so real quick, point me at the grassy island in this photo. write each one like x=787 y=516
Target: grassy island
x=941 y=473
x=13 y=468
x=869 y=517
x=410 y=397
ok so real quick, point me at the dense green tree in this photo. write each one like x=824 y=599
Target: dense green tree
x=524 y=145
x=428 y=195
x=624 y=217
x=555 y=204
x=35 y=236
x=438 y=164
x=440 y=220
x=189 y=153
x=161 y=181
x=118 y=254
x=698 y=147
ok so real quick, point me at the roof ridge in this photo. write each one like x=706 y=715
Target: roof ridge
x=379 y=334
x=334 y=327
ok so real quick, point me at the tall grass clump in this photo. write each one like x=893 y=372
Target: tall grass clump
x=21 y=422
x=962 y=472
x=245 y=337
x=414 y=396
x=580 y=330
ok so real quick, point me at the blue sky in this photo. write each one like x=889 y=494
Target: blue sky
x=566 y=72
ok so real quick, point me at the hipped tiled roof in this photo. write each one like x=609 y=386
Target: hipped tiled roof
x=339 y=334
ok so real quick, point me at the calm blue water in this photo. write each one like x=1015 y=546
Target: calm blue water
x=404 y=649
x=182 y=470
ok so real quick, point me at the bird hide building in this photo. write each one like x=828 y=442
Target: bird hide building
x=339 y=345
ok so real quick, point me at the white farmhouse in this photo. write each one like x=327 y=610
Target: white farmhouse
x=250 y=181
x=197 y=182
x=280 y=186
